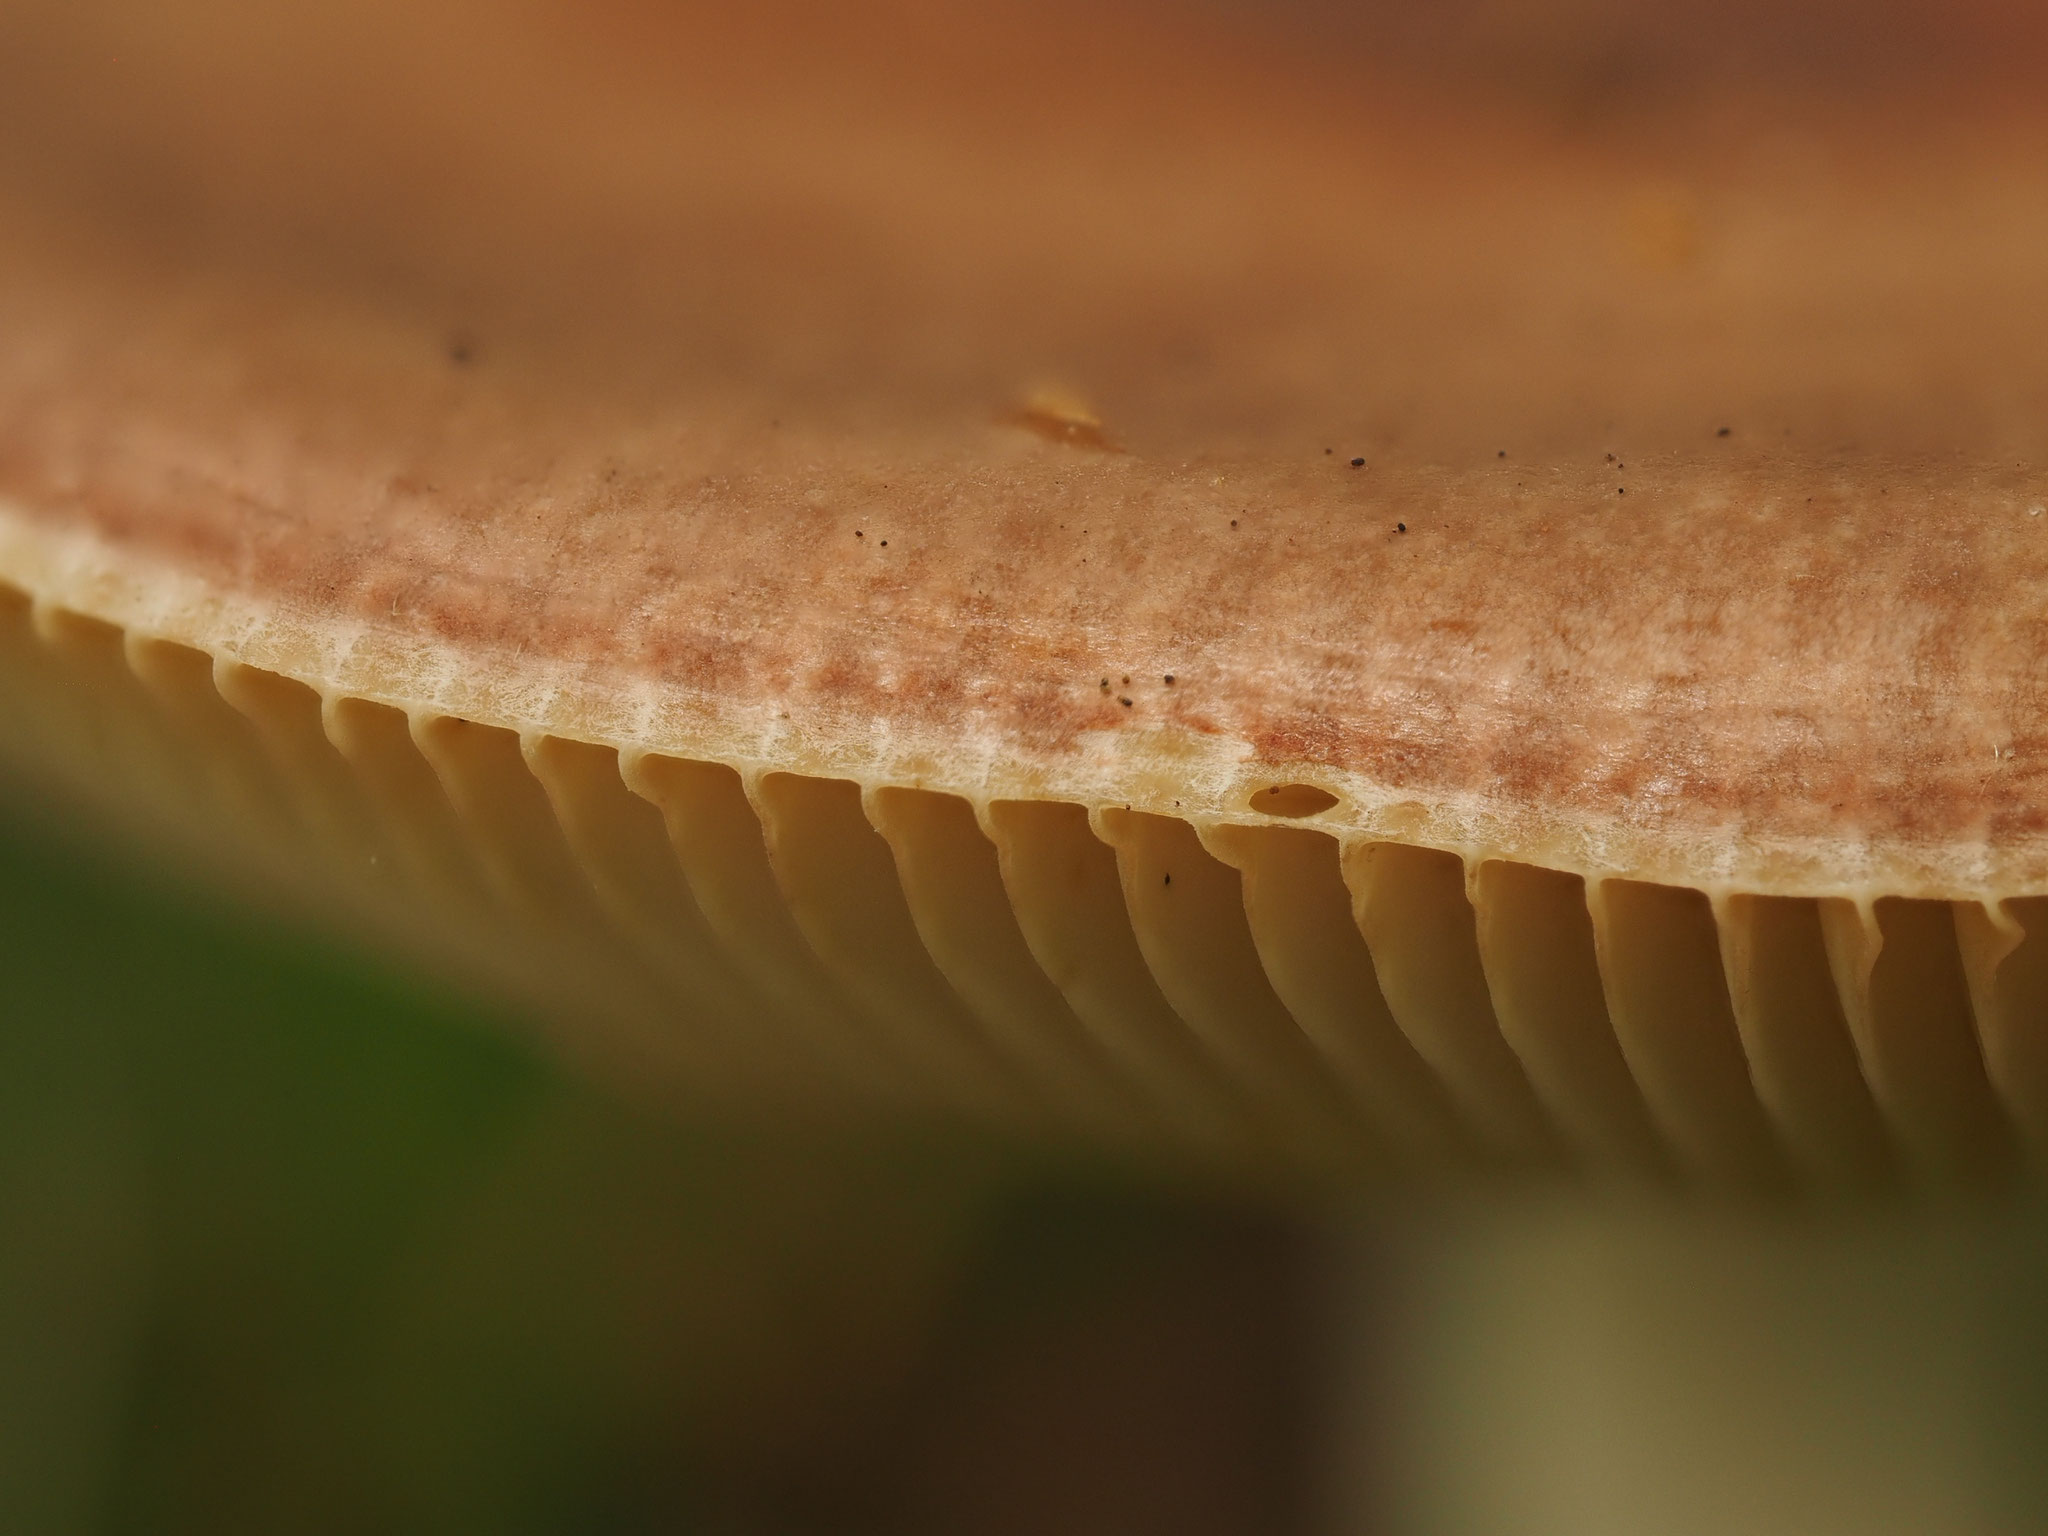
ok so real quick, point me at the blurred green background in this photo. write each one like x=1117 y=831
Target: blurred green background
x=292 y=1242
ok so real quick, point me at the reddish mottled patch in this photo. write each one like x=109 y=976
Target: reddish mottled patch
x=1314 y=738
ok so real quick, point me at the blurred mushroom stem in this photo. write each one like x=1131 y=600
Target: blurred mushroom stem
x=1586 y=1367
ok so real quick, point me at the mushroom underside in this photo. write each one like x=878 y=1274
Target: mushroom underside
x=1245 y=992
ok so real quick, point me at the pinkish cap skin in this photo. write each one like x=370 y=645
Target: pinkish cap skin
x=627 y=368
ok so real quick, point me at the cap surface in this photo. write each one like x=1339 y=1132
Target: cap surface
x=1698 y=536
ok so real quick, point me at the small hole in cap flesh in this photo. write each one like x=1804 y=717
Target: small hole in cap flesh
x=1292 y=800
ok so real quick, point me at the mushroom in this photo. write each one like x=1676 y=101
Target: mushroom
x=1308 y=598
x=969 y=560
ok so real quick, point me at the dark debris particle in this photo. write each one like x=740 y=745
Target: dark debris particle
x=1168 y=880
x=1169 y=679
x=1500 y=453
x=1609 y=458
x=462 y=349
x=1400 y=527
x=885 y=543
x=1358 y=463
x=1621 y=490
x=1723 y=431
x=858 y=534
x=1125 y=702
x=1329 y=450
x=1105 y=685
x=1233 y=522
x=1127 y=682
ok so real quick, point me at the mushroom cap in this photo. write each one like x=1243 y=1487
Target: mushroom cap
x=1199 y=426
